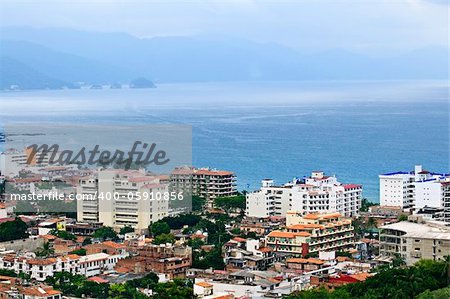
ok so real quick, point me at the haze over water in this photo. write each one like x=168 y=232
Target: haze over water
x=278 y=130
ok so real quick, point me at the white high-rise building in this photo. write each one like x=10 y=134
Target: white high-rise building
x=12 y=162
x=417 y=188
x=318 y=193
x=119 y=198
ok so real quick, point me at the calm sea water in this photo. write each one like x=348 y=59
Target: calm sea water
x=355 y=130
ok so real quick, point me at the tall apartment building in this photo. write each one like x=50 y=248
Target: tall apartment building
x=312 y=233
x=203 y=182
x=119 y=198
x=434 y=194
x=317 y=193
x=415 y=241
x=407 y=188
x=12 y=162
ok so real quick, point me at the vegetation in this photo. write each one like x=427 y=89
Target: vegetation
x=126 y=229
x=366 y=204
x=195 y=243
x=443 y=293
x=198 y=203
x=45 y=250
x=159 y=228
x=105 y=233
x=205 y=260
x=87 y=241
x=164 y=238
x=176 y=289
x=396 y=283
x=78 y=286
x=13 y=230
x=179 y=221
x=80 y=252
x=7 y=272
x=232 y=203
x=63 y=234
x=403 y=217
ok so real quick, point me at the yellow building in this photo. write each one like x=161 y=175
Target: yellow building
x=312 y=233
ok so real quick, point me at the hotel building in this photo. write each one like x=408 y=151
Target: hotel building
x=415 y=241
x=408 y=189
x=203 y=182
x=119 y=198
x=317 y=194
x=312 y=233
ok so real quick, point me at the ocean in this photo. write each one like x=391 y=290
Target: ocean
x=278 y=130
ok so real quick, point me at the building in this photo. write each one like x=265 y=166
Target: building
x=415 y=241
x=312 y=233
x=12 y=287
x=12 y=162
x=203 y=182
x=119 y=198
x=433 y=195
x=240 y=253
x=407 y=189
x=301 y=265
x=41 y=268
x=317 y=194
x=330 y=282
x=171 y=260
x=260 y=226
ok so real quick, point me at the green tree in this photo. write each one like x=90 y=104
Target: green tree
x=105 y=233
x=87 y=241
x=63 y=234
x=195 y=243
x=403 y=217
x=366 y=204
x=148 y=281
x=205 y=260
x=176 y=289
x=7 y=272
x=198 y=203
x=117 y=291
x=397 y=283
x=13 y=230
x=443 y=293
x=45 y=250
x=231 y=203
x=164 y=238
x=126 y=229
x=81 y=252
x=159 y=228
x=179 y=221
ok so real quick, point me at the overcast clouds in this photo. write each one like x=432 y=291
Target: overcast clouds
x=363 y=25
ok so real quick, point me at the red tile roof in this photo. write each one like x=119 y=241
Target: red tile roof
x=98 y=279
x=352 y=186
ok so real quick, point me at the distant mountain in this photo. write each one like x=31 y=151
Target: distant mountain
x=64 y=66
x=102 y=58
x=16 y=75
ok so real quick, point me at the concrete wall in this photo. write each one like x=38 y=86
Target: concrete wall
x=29 y=244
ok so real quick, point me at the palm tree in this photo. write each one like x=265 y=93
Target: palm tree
x=45 y=250
x=446 y=268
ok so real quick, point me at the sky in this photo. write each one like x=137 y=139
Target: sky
x=369 y=26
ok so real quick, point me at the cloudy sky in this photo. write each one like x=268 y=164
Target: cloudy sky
x=371 y=26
